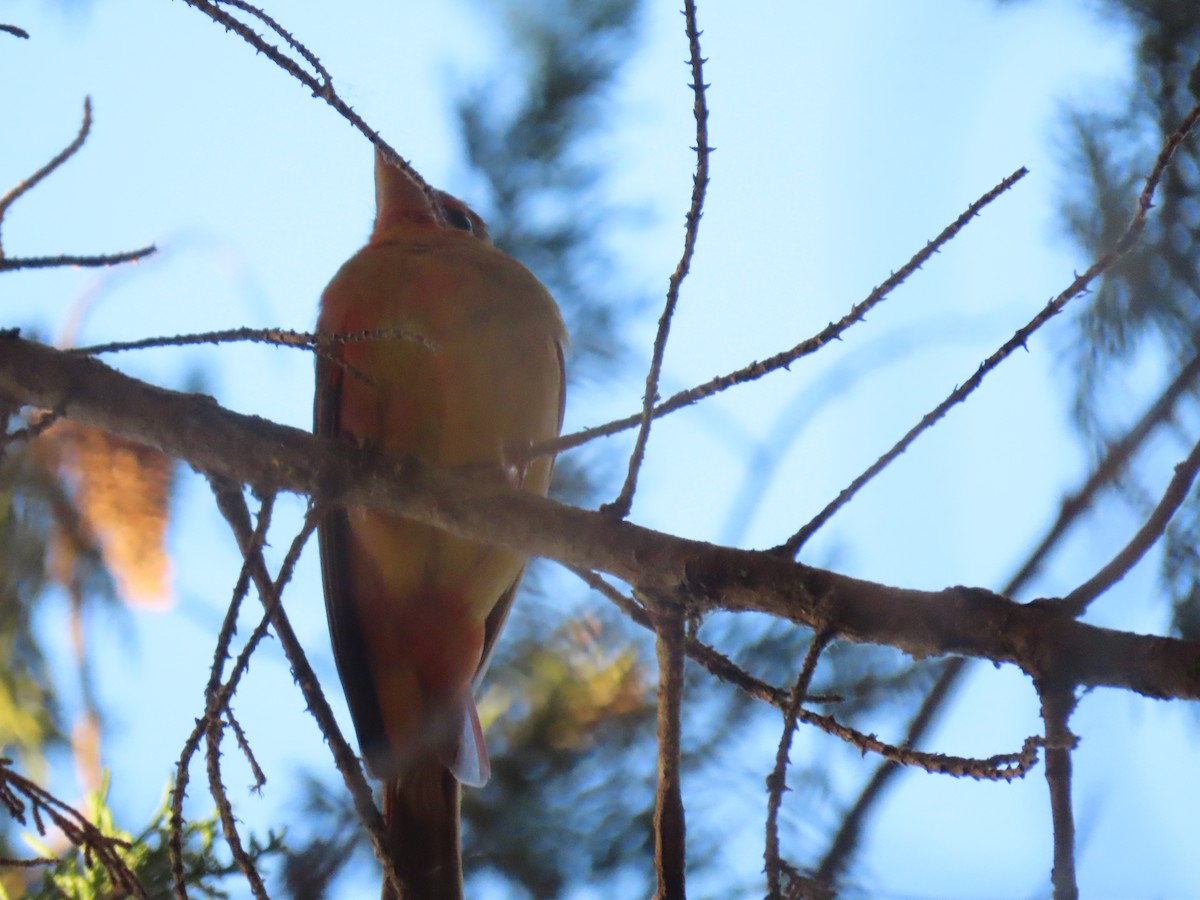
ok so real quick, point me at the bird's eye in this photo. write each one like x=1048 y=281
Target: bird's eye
x=457 y=218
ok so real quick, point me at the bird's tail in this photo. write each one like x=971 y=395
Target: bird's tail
x=420 y=809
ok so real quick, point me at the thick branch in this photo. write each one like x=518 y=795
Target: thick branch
x=272 y=457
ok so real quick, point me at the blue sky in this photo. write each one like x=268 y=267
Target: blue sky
x=847 y=135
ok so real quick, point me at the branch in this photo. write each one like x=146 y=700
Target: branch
x=703 y=577
x=712 y=659
x=620 y=506
x=22 y=188
x=777 y=780
x=1000 y=767
x=670 y=830
x=216 y=704
x=24 y=800
x=57 y=160
x=1057 y=705
x=782 y=360
x=233 y=507
x=1126 y=242
x=94 y=261
x=321 y=84
x=1118 y=456
x=284 y=337
x=1181 y=484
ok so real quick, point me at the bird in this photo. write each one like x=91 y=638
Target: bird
x=455 y=357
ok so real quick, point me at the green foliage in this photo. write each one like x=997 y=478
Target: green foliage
x=29 y=722
x=147 y=857
x=571 y=709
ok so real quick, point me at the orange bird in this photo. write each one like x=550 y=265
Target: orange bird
x=414 y=612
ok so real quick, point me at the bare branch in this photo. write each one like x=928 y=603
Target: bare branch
x=57 y=160
x=716 y=662
x=217 y=702
x=212 y=757
x=14 y=30
x=782 y=360
x=321 y=84
x=103 y=260
x=217 y=697
x=777 y=780
x=1058 y=702
x=620 y=506
x=270 y=457
x=1003 y=767
x=233 y=507
x=1020 y=339
x=22 y=188
x=670 y=823
x=1177 y=490
x=282 y=336
x=1119 y=454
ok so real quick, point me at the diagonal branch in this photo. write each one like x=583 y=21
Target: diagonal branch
x=783 y=359
x=233 y=507
x=57 y=160
x=1119 y=454
x=321 y=83
x=1147 y=536
x=1126 y=242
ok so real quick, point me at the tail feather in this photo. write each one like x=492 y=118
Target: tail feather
x=467 y=756
x=420 y=809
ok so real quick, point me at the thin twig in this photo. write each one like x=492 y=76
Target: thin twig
x=8 y=264
x=1020 y=339
x=1057 y=704
x=308 y=55
x=1177 y=490
x=320 y=84
x=14 y=30
x=1116 y=458
x=1119 y=454
x=260 y=778
x=670 y=824
x=782 y=360
x=620 y=506
x=99 y=260
x=217 y=710
x=212 y=757
x=229 y=624
x=706 y=655
x=214 y=699
x=233 y=507
x=724 y=668
x=57 y=160
x=1001 y=767
x=777 y=780
x=281 y=336
x=24 y=800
